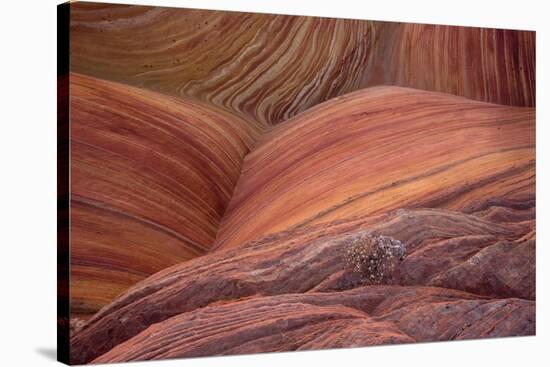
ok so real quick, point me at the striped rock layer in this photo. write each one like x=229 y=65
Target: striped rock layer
x=268 y=67
x=151 y=176
x=451 y=178
x=377 y=150
x=222 y=162
x=465 y=276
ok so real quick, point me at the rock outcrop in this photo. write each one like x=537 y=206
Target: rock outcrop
x=223 y=163
x=307 y=265
x=151 y=176
x=326 y=320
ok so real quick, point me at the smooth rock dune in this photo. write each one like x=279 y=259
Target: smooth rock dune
x=151 y=177
x=377 y=150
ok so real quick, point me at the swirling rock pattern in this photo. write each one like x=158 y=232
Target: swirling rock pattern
x=151 y=178
x=222 y=162
x=268 y=67
x=376 y=150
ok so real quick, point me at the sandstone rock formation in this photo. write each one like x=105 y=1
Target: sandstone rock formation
x=376 y=150
x=271 y=67
x=306 y=266
x=297 y=322
x=222 y=163
x=151 y=177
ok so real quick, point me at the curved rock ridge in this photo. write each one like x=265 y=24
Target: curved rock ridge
x=327 y=320
x=270 y=67
x=376 y=150
x=250 y=326
x=151 y=176
x=310 y=261
x=294 y=322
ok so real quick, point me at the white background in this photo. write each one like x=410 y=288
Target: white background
x=28 y=182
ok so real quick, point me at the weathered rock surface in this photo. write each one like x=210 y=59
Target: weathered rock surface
x=327 y=320
x=310 y=261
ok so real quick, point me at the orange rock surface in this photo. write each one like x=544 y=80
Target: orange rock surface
x=151 y=177
x=223 y=162
x=376 y=150
x=269 y=67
